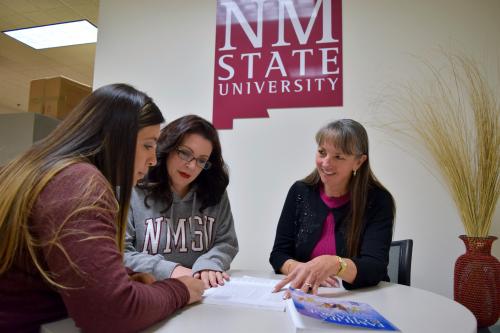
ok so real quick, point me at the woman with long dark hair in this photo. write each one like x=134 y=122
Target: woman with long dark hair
x=63 y=215
x=180 y=222
x=338 y=221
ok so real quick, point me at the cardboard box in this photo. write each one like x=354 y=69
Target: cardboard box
x=57 y=96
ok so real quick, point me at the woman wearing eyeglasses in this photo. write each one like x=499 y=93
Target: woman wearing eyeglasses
x=180 y=220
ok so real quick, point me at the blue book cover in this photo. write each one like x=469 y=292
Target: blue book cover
x=340 y=312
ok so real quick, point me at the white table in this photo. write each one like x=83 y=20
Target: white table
x=410 y=309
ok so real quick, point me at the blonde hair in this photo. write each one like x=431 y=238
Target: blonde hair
x=101 y=131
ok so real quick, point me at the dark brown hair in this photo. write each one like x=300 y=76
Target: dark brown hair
x=210 y=184
x=351 y=138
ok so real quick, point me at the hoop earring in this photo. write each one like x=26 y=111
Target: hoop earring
x=354 y=172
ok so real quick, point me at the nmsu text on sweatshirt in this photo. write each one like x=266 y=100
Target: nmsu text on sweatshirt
x=157 y=241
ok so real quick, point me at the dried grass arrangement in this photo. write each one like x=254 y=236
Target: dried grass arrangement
x=457 y=120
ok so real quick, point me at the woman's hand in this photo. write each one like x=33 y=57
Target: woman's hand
x=145 y=278
x=330 y=282
x=212 y=278
x=194 y=286
x=181 y=271
x=310 y=275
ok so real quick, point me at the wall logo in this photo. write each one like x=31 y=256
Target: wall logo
x=276 y=54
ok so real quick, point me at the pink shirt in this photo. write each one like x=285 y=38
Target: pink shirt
x=326 y=244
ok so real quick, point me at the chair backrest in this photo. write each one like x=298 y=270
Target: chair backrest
x=399 y=268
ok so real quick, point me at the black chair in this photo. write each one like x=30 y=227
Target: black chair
x=399 y=268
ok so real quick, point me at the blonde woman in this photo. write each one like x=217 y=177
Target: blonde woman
x=62 y=223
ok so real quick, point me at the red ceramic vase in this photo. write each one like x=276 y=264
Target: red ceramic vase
x=477 y=280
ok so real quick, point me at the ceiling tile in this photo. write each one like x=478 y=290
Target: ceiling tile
x=40 y=73
x=88 y=11
x=20 y=6
x=47 y=4
x=39 y=18
x=73 y=3
x=6 y=12
x=63 y=14
x=71 y=55
x=15 y=21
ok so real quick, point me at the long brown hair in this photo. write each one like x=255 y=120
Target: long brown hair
x=211 y=183
x=351 y=138
x=101 y=130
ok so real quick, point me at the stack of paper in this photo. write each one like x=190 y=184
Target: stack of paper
x=308 y=313
x=247 y=291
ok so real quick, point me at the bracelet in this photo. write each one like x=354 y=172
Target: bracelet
x=342 y=266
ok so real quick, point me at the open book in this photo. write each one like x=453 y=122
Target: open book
x=311 y=313
x=247 y=291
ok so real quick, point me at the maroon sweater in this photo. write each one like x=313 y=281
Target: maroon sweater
x=99 y=295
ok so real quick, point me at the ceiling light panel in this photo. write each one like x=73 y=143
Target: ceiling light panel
x=56 y=35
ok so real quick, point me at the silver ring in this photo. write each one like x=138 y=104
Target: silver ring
x=307 y=284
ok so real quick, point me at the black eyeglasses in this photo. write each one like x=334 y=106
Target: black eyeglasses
x=187 y=155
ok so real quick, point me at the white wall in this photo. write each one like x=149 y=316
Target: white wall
x=7 y=109
x=167 y=49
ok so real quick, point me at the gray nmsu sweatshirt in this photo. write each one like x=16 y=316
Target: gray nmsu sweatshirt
x=156 y=243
